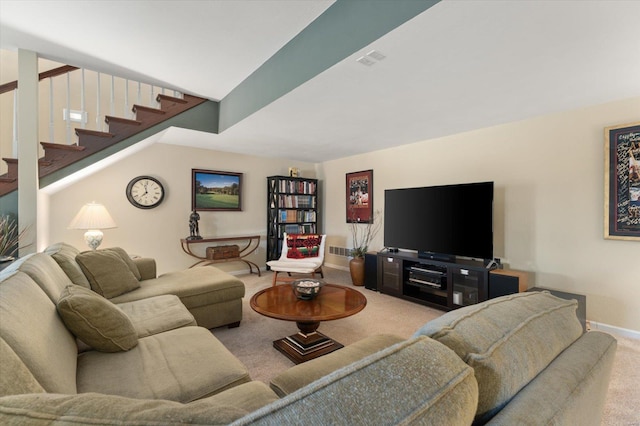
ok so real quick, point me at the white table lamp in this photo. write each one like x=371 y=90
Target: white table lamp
x=93 y=217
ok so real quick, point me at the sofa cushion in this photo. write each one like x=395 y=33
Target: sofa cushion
x=374 y=390
x=65 y=255
x=96 y=321
x=107 y=273
x=31 y=327
x=507 y=341
x=46 y=273
x=15 y=377
x=156 y=314
x=181 y=365
x=97 y=409
x=202 y=286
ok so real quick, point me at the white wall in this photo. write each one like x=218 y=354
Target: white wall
x=157 y=232
x=548 y=219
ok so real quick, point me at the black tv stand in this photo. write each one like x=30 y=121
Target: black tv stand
x=443 y=284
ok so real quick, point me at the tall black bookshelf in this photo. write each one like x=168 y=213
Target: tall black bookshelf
x=292 y=207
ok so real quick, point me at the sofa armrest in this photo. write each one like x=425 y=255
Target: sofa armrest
x=95 y=408
x=146 y=266
x=417 y=381
x=302 y=374
x=571 y=391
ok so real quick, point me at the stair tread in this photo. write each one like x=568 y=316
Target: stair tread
x=63 y=146
x=149 y=109
x=110 y=118
x=94 y=133
x=171 y=98
x=15 y=161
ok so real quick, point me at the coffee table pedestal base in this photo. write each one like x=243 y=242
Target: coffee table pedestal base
x=303 y=347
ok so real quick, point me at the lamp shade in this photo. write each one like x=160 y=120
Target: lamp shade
x=92 y=216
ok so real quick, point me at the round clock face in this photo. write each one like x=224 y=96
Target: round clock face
x=145 y=192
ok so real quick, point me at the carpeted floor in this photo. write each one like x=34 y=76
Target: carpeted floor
x=252 y=341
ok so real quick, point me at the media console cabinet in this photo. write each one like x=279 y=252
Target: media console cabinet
x=439 y=284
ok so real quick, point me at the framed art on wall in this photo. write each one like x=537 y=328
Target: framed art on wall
x=214 y=190
x=360 y=196
x=622 y=182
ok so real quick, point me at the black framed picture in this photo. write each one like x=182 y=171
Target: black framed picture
x=360 y=197
x=622 y=182
x=215 y=190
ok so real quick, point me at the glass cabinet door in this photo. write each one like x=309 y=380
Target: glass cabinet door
x=469 y=286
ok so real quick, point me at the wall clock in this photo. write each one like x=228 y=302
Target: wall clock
x=145 y=192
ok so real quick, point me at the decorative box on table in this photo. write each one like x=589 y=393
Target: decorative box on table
x=223 y=252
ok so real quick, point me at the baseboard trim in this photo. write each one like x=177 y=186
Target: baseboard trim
x=334 y=266
x=243 y=271
x=612 y=329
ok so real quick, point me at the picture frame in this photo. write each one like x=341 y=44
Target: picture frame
x=359 y=196
x=622 y=182
x=213 y=190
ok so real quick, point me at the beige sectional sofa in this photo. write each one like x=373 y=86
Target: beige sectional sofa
x=213 y=296
x=519 y=359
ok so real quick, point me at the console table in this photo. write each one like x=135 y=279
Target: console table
x=252 y=243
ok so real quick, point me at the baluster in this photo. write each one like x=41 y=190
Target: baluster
x=51 y=112
x=126 y=99
x=98 y=106
x=68 y=124
x=82 y=99
x=15 y=123
x=112 y=108
x=139 y=94
x=151 y=95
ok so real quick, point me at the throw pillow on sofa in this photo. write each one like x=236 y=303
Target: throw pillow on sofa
x=96 y=321
x=65 y=255
x=107 y=272
x=127 y=259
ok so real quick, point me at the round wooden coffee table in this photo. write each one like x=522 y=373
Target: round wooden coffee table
x=333 y=302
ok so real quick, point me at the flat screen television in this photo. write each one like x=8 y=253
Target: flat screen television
x=441 y=221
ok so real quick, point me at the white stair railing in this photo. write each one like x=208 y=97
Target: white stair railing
x=77 y=90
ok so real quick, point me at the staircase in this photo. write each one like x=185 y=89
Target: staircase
x=57 y=156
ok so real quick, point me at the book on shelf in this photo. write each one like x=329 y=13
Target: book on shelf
x=294 y=216
x=297 y=201
x=297 y=187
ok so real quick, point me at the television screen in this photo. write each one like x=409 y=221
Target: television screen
x=450 y=219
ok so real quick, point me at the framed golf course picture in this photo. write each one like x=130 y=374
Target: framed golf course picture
x=214 y=190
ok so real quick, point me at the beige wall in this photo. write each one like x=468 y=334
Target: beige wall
x=548 y=209
x=157 y=232
x=548 y=205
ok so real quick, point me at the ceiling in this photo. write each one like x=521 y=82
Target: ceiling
x=458 y=66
